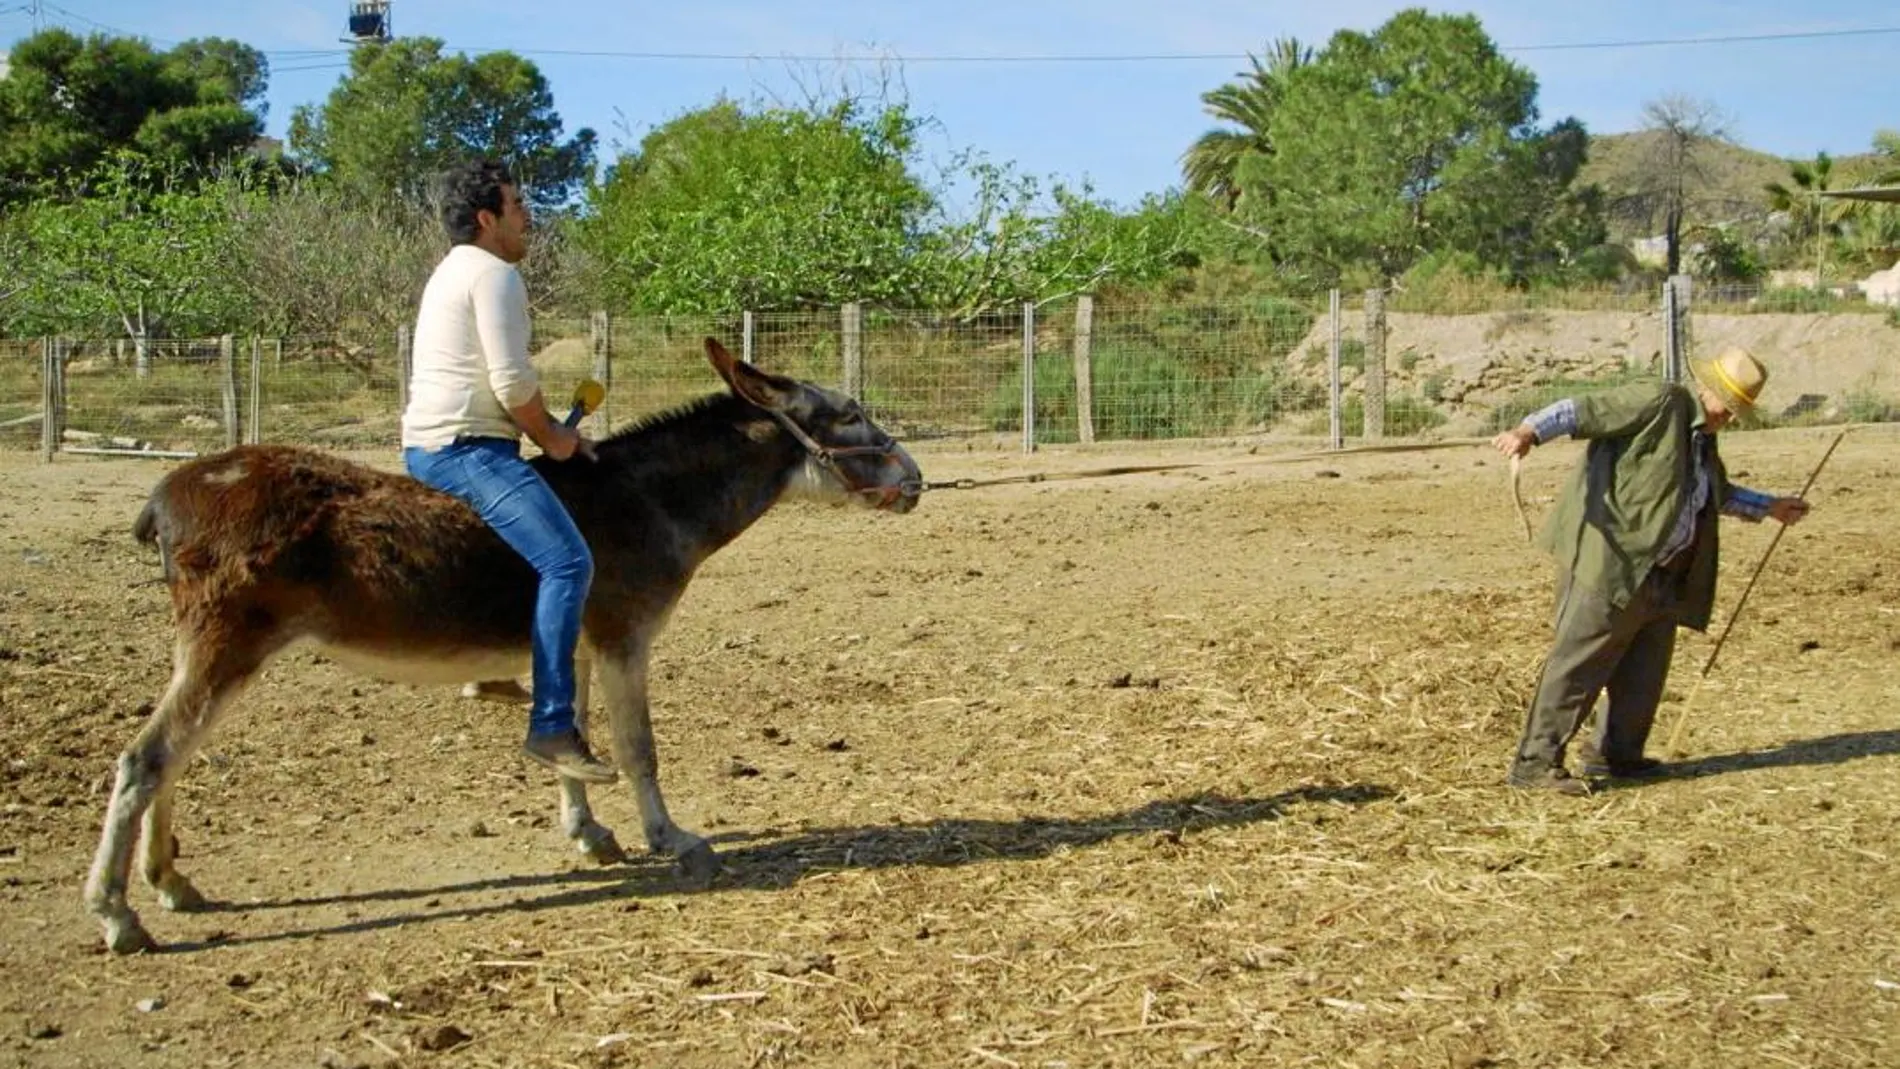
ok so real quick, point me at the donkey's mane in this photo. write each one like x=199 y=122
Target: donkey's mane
x=668 y=444
x=666 y=421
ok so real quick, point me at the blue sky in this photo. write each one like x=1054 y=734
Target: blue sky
x=1122 y=125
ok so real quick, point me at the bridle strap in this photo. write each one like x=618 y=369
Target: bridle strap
x=827 y=456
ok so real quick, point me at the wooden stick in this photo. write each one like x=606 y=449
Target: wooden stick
x=1709 y=664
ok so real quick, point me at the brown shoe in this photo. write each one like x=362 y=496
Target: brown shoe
x=1547 y=778
x=567 y=754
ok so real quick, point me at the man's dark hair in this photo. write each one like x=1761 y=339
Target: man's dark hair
x=468 y=188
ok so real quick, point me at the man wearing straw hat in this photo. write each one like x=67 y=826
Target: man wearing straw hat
x=1634 y=536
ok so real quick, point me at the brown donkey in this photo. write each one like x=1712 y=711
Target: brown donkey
x=267 y=546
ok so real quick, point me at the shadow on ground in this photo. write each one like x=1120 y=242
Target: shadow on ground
x=778 y=863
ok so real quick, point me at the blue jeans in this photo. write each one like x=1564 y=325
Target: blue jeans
x=512 y=498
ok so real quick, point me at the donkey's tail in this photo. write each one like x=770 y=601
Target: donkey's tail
x=145 y=528
x=151 y=529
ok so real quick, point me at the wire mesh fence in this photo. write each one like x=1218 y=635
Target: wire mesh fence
x=167 y=395
x=339 y=391
x=22 y=393
x=1831 y=358
x=1334 y=367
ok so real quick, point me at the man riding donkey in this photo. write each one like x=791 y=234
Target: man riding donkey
x=1634 y=535
x=472 y=394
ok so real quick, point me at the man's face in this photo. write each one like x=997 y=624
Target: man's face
x=507 y=232
x=1715 y=413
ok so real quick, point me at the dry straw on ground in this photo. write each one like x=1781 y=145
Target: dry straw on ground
x=1200 y=767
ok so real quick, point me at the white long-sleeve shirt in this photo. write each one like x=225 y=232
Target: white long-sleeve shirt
x=470 y=360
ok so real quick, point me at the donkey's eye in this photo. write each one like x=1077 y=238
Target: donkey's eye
x=851 y=418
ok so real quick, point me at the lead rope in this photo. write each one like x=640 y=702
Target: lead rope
x=1517 y=496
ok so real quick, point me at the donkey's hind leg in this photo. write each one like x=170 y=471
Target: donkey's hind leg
x=159 y=846
x=589 y=836
x=204 y=680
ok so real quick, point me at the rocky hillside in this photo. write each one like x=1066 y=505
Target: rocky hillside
x=1471 y=365
x=1733 y=177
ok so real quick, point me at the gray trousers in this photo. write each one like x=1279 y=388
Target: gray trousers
x=1599 y=647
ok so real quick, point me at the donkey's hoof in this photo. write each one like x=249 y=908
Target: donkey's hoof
x=506 y=691
x=129 y=937
x=598 y=845
x=178 y=895
x=698 y=865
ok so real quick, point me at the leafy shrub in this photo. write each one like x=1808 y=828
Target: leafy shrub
x=1861 y=406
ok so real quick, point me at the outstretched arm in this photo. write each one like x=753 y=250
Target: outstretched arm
x=1552 y=421
x=1754 y=506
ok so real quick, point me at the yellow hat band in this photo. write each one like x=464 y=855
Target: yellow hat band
x=1729 y=383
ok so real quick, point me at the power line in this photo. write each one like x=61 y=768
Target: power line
x=1164 y=57
x=299 y=55
x=75 y=16
x=1724 y=39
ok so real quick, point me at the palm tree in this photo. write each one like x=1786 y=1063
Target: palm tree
x=1806 y=208
x=1211 y=164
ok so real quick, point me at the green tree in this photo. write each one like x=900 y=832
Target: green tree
x=406 y=111
x=1211 y=165
x=1520 y=211
x=67 y=102
x=1811 y=216
x=726 y=208
x=1887 y=149
x=1019 y=243
x=1878 y=226
x=1393 y=144
x=144 y=253
x=224 y=72
x=721 y=210
x=1800 y=197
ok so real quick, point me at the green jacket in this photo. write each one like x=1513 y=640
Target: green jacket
x=1619 y=507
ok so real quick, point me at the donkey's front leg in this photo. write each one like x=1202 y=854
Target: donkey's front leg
x=588 y=835
x=623 y=675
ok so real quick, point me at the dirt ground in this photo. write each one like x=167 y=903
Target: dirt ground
x=1198 y=767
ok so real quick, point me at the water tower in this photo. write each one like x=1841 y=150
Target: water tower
x=369 y=23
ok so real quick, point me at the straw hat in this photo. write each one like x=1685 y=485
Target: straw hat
x=1735 y=377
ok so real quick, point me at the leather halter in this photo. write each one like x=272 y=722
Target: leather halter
x=826 y=456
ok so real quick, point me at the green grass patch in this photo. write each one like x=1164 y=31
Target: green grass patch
x=1141 y=393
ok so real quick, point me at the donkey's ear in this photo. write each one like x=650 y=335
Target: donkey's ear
x=762 y=388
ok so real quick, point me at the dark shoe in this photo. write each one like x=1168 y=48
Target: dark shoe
x=1637 y=768
x=1547 y=778
x=566 y=753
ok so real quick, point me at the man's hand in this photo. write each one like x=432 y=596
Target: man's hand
x=555 y=438
x=564 y=443
x=1515 y=442
x=1789 y=510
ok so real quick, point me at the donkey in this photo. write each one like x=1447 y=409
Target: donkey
x=264 y=547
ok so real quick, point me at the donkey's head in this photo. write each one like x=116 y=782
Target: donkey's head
x=848 y=456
